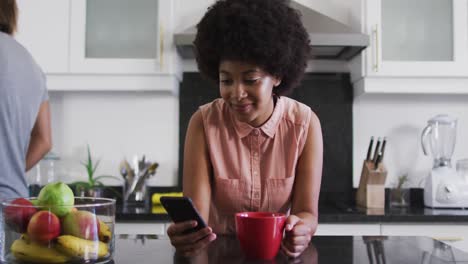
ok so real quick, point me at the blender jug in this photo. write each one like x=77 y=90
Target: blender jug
x=439 y=137
x=443 y=188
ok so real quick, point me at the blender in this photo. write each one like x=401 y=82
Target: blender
x=444 y=188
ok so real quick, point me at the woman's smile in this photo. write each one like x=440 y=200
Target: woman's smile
x=242 y=108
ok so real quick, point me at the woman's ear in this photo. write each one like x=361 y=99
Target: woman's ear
x=277 y=82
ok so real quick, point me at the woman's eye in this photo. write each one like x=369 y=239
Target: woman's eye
x=251 y=81
x=226 y=82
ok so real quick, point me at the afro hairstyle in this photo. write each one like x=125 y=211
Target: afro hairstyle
x=266 y=33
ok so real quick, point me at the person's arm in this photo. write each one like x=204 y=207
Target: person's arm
x=41 y=137
x=197 y=166
x=196 y=185
x=302 y=223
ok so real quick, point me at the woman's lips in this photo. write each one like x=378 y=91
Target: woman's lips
x=242 y=108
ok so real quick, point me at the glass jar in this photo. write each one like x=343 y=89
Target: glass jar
x=46 y=172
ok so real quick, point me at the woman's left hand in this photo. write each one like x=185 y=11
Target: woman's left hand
x=297 y=236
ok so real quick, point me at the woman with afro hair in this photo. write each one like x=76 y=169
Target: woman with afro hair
x=253 y=149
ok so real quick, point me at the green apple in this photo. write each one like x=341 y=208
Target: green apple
x=56 y=197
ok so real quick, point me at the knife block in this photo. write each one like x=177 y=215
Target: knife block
x=371 y=190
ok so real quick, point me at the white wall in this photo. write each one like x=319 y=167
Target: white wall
x=116 y=125
x=401 y=118
x=188 y=13
x=119 y=125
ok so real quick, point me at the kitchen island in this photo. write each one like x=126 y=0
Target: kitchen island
x=337 y=217
x=146 y=249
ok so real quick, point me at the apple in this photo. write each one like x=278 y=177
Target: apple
x=82 y=224
x=57 y=197
x=43 y=227
x=18 y=213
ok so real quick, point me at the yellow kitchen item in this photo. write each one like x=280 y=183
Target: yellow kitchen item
x=158 y=209
x=156 y=196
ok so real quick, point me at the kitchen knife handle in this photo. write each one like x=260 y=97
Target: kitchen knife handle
x=377 y=150
x=384 y=142
x=378 y=160
x=369 y=149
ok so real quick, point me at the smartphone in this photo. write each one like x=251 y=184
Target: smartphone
x=181 y=209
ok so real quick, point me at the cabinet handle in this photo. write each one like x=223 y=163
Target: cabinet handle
x=375 y=32
x=161 y=46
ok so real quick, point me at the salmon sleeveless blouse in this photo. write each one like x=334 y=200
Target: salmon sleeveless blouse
x=253 y=168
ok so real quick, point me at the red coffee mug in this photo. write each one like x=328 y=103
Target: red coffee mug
x=260 y=233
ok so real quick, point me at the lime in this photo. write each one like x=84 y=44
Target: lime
x=57 y=197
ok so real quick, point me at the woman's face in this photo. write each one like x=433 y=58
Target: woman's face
x=247 y=90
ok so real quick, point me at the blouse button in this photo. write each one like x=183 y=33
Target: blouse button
x=256 y=133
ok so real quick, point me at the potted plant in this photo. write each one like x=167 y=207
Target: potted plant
x=94 y=186
x=399 y=196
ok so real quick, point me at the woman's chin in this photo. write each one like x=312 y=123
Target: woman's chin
x=243 y=118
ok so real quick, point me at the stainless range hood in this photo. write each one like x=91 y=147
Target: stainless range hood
x=330 y=39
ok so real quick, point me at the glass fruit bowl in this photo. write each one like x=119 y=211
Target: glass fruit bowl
x=80 y=232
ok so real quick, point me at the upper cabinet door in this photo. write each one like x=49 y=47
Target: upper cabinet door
x=43 y=28
x=417 y=38
x=119 y=36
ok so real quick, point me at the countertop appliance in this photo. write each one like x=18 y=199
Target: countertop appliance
x=444 y=188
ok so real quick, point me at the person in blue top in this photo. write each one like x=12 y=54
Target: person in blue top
x=25 y=130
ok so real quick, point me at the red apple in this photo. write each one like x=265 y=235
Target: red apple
x=18 y=214
x=82 y=224
x=43 y=227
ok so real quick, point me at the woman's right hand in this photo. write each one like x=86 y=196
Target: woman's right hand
x=190 y=244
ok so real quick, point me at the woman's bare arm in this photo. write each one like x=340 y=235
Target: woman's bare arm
x=197 y=166
x=309 y=176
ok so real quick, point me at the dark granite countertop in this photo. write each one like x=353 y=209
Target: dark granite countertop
x=145 y=249
x=333 y=214
x=333 y=209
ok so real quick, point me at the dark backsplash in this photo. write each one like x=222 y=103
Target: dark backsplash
x=330 y=96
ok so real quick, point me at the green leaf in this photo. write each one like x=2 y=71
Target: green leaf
x=90 y=161
x=107 y=177
x=98 y=183
x=96 y=166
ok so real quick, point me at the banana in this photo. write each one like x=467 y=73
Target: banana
x=82 y=248
x=27 y=251
x=105 y=233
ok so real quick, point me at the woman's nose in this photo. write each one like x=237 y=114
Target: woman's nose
x=239 y=91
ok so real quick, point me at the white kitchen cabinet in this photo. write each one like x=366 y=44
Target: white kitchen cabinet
x=454 y=234
x=121 y=36
x=417 y=47
x=417 y=38
x=103 y=48
x=348 y=230
x=43 y=28
x=140 y=228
